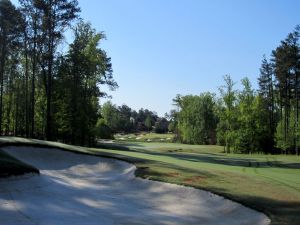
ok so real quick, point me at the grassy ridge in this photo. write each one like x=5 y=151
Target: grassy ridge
x=267 y=183
x=11 y=166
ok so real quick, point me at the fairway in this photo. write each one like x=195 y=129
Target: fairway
x=266 y=183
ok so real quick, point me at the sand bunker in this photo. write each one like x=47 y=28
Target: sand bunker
x=75 y=189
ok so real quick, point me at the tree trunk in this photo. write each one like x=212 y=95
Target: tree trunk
x=26 y=87
x=2 y=68
x=296 y=113
x=50 y=31
x=34 y=66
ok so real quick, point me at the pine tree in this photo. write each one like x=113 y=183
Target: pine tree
x=286 y=63
x=266 y=92
x=56 y=16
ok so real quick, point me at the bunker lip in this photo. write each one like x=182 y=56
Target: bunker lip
x=83 y=189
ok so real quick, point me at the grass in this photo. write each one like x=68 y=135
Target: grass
x=266 y=183
x=12 y=166
x=145 y=137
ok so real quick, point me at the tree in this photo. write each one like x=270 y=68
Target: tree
x=125 y=123
x=251 y=130
x=81 y=73
x=266 y=92
x=56 y=16
x=33 y=16
x=173 y=122
x=148 y=122
x=226 y=129
x=111 y=116
x=196 y=118
x=286 y=59
x=161 y=125
x=102 y=130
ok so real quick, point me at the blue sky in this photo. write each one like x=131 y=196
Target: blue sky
x=160 y=48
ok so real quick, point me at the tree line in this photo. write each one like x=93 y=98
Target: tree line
x=122 y=119
x=248 y=120
x=45 y=92
x=50 y=93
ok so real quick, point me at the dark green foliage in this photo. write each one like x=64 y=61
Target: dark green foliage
x=161 y=126
x=141 y=117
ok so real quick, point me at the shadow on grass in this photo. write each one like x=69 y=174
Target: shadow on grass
x=226 y=160
x=215 y=158
x=112 y=146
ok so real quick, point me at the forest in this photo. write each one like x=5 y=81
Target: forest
x=50 y=93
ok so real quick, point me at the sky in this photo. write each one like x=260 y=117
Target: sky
x=161 y=48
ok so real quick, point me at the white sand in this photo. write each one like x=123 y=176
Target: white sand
x=76 y=189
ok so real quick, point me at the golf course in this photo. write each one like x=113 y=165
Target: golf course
x=149 y=112
x=265 y=183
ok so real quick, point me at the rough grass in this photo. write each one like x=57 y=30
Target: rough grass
x=267 y=183
x=11 y=166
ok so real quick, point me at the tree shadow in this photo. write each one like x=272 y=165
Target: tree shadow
x=226 y=160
